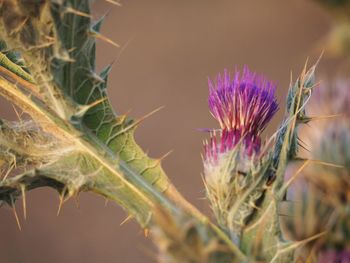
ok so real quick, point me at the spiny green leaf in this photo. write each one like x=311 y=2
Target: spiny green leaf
x=82 y=163
x=61 y=38
x=85 y=87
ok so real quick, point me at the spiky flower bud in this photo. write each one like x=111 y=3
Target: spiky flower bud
x=243 y=104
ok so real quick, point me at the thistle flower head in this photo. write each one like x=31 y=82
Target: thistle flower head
x=243 y=104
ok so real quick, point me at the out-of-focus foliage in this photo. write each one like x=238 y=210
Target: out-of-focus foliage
x=337 y=42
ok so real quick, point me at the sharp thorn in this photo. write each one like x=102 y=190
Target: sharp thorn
x=103 y=38
x=19 y=115
x=60 y=204
x=165 y=155
x=9 y=171
x=148 y=115
x=77 y=202
x=319 y=58
x=303 y=145
x=300 y=243
x=127 y=219
x=113 y=2
x=76 y=12
x=82 y=109
x=146 y=232
x=327 y=163
x=303 y=73
x=17 y=219
x=252 y=204
x=97 y=77
x=137 y=122
x=24 y=202
x=322 y=117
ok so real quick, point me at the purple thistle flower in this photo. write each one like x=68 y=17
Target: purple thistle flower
x=243 y=104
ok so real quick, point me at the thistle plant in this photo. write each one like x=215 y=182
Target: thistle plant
x=72 y=140
x=242 y=105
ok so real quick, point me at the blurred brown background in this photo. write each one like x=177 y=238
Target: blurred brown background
x=169 y=49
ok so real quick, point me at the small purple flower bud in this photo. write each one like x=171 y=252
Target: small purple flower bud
x=243 y=104
x=334 y=256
